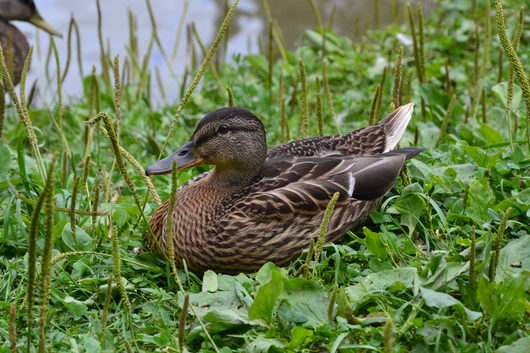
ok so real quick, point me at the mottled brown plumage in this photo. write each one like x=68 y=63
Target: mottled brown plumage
x=260 y=205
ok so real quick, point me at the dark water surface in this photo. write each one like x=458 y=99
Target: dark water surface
x=249 y=25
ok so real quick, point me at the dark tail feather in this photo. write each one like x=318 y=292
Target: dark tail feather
x=375 y=175
x=409 y=152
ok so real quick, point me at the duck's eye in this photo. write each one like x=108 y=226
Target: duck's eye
x=223 y=129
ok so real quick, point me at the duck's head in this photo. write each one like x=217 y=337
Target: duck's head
x=232 y=139
x=24 y=10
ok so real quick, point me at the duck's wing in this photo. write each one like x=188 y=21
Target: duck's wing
x=293 y=186
x=370 y=140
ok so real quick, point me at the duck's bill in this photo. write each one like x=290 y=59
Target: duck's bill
x=184 y=158
x=38 y=21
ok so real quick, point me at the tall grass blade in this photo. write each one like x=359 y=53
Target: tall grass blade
x=154 y=30
x=13 y=328
x=2 y=108
x=515 y=62
x=23 y=77
x=106 y=304
x=116 y=265
x=387 y=334
x=445 y=121
x=182 y=322
x=23 y=115
x=230 y=96
x=200 y=72
x=497 y=244
x=68 y=48
x=329 y=96
x=117 y=95
x=472 y=264
x=322 y=232
x=78 y=48
x=32 y=257
x=45 y=275
x=103 y=55
x=73 y=200
x=331 y=303
x=397 y=79
x=182 y=18
x=284 y=126
x=319 y=110
x=304 y=109
x=215 y=74
x=373 y=107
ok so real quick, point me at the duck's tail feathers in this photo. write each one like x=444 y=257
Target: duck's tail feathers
x=395 y=125
x=375 y=175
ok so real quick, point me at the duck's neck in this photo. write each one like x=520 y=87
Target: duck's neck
x=233 y=178
x=239 y=172
x=245 y=163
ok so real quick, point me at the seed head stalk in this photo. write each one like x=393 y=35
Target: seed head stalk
x=515 y=63
x=200 y=72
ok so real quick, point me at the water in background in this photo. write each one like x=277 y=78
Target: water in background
x=249 y=26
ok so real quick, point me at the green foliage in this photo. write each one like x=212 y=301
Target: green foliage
x=410 y=262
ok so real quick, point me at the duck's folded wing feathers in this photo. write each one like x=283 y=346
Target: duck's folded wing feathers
x=304 y=186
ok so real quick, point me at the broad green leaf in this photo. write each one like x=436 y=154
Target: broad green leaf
x=258 y=62
x=265 y=272
x=442 y=300
x=222 y=318
x=421 y=170
x=501 y=89
x=429 y=133
x=481 y=198
x=411 y=205
x=375 y=244
x=262 y=345
x=223 y=308
x=318 y=40
x=265 y=299
x=491 y=135
x=75 y=306
x=523 y=198
x=479 y=156
x=434 y=95
x=89 y=343
x=464 y=172
x=164 y=338
x=506 y=299
x=486 y=295
x=441 y=272
x=299 y=336
x=304 y=301
x=81 y=241
x=514 y=257
x=432 y=329
x=380 y=281
x=209 y=281
x=520 y=346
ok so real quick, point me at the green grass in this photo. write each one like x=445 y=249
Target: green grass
x=442 y=265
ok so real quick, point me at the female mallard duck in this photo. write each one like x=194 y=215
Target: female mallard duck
x=260 y=205
x=14 y=43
